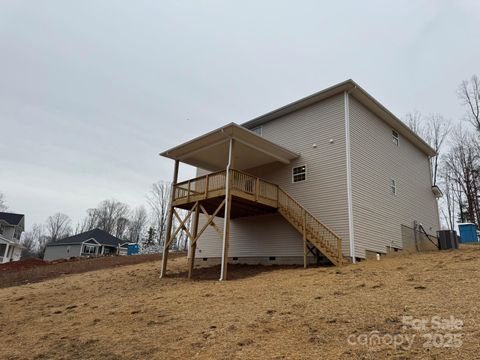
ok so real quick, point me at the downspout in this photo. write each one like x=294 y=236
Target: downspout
x=349 y=177
x=227 y=204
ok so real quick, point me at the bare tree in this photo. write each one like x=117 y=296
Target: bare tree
x=159 y=200
x=121 y=227
x=3 y=202
x=58 y=226
x=434 y=130
x=463 y=163
x=415 y=122
x=89 y=222
x=35 y=240
x=447 y=202
x=137 y=224
x=437 y=129
x=110 y=216
x=469 y=94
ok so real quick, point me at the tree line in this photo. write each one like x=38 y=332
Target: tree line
x=145 y=224
x=456 y=167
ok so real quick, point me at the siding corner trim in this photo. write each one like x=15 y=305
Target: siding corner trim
x=349 y=176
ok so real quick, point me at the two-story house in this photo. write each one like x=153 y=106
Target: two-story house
x=333 y=176
x=11 y=229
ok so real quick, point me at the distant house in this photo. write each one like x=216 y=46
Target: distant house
x=11 y=228
x=95 y=242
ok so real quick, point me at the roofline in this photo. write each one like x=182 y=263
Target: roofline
x=225 y=130
x=352 y=87
x=99 y=244
x=6 y=222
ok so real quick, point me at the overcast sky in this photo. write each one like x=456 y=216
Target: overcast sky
x=92 y=91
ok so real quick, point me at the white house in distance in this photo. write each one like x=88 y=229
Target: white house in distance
x=11 y=229
x=331 y=176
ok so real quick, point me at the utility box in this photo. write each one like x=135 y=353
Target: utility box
x=468 y=233
x=133 y=249
x=447 y=239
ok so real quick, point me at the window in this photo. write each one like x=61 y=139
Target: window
x=257 y=130
x=393 y=186
x=299 y=173
x=89 y=249
x=1 y=229
x=395 y=137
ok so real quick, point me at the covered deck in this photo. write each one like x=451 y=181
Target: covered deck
x=229 y=192
x=226 y=191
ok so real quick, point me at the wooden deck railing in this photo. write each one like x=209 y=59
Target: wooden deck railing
x=256 y=189
x=254 y=186
x=200 y=186
x=204 y=186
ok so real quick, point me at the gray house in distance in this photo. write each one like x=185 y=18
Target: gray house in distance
x=11 y=229
x=334 y=175
x=95 y=242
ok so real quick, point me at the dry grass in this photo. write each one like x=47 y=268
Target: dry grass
x=17 y=273
x=267 y=313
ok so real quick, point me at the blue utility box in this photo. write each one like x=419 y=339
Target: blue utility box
x=133 y=249
x=468 y=232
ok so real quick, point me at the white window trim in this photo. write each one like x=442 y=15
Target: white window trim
x=395 y=137
x=293 y=175
x=393 y=187
x=90 y=247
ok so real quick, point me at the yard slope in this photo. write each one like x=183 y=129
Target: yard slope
x=263 y=313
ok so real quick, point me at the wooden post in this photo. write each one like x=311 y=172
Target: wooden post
x=340 y=252
x=226 y=224
x=257 y=188
x=304 y=233
x=167 y=241
x=193 y=245
x=206 y=187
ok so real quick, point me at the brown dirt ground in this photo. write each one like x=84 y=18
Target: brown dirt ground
x=269 y=313
x=34 y=270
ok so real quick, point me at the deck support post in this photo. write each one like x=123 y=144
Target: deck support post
x=228 y=205
x=166 y=243
x=304 y=235
x=193 y=245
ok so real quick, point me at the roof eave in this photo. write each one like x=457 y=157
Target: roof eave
x=226 y=132
x=361 y=95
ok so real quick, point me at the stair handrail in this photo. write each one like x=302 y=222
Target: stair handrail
x=312 y=217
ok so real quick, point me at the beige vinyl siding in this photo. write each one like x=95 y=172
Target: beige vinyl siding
x=377 y=213
x=324 y=193
x=265 y=235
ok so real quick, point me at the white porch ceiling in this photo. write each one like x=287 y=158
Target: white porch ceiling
x=210 y=151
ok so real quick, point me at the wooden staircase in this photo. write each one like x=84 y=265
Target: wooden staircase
x=259 y=196
x=312 y=230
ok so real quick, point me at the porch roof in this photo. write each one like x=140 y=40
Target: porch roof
x=210 y=151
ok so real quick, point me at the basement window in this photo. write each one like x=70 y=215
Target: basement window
x=393 y=186
x=299 y=173
x=395 y=137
